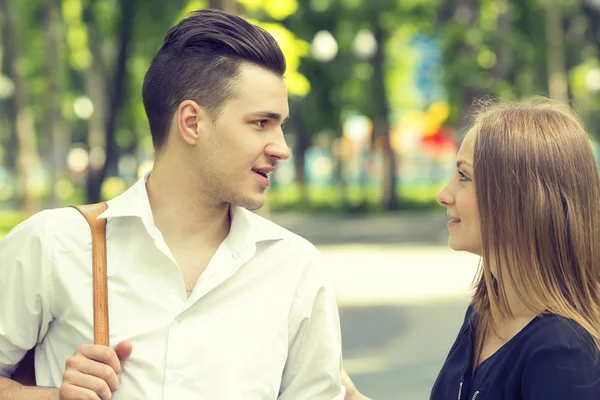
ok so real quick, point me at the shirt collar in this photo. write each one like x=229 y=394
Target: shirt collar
x=131 y=203
x=247 y=228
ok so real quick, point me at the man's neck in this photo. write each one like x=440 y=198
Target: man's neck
x=180 y=212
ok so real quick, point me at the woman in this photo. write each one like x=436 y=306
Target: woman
x=526 y=198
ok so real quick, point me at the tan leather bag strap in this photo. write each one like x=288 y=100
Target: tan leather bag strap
x=98 y=227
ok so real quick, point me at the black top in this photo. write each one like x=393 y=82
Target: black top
x=552 y=358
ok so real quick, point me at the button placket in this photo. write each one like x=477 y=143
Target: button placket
x=175 y=358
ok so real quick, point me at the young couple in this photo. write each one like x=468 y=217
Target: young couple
x=210 y=301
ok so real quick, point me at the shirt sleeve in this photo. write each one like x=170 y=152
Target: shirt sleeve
x=24 y=305
x=314 y=364
x=562 y=371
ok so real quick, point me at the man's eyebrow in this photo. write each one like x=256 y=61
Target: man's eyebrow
x=461 y=162
x=269 y=115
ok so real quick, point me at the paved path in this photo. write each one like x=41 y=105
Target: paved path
x=402 y=294
x=400 y=307
x=423 y=228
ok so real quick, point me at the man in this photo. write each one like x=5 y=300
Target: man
x=206 y=299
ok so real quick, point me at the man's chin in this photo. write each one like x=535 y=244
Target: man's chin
x=251 y=204
x=254 y=207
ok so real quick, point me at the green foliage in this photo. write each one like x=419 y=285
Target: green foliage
x=498 y=49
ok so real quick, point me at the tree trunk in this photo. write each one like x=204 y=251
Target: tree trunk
x=584 y=103
x=302 y=145
x=470 y=93
x=503 y=55
x=27 y=157
x=445 y=14
x=96 y=91
x=557 y=72
x=381 y=125
x=52 y=119
x=96 y=175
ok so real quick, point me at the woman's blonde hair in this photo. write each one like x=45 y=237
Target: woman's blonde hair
x=538 y=196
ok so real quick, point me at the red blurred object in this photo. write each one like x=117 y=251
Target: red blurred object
x=442 y=141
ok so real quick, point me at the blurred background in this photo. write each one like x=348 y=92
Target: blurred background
x=380 y=92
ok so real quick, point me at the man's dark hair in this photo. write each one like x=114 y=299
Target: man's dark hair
x=199 y=60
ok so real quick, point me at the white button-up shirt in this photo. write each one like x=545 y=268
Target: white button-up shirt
x=261 y=323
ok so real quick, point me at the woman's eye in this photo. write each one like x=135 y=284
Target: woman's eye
x=462 y=176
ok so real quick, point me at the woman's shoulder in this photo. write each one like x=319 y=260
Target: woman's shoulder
x=470 y=314
x=560 y=359
x=469 y=320
x=559 y=341
x=556 y=330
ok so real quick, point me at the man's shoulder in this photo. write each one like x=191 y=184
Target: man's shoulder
x=61 y=218
x=55 y=222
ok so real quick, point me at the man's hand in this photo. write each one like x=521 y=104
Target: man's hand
x=93 y=372
x=351 y=392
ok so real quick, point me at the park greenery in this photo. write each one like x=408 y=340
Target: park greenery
x=73 y=128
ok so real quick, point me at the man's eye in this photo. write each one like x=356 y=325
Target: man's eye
x=261 y=123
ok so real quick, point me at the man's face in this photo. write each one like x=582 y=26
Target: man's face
x=241 y=148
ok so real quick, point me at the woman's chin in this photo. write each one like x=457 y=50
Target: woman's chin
x=458 y=245
x=455 y=244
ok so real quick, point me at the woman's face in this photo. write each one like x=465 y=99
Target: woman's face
x=458 y=196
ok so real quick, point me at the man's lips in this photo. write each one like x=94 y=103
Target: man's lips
x=264 y=171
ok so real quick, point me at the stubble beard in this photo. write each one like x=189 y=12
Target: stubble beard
x=226 y=194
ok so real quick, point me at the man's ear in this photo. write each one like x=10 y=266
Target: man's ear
x=189 y=118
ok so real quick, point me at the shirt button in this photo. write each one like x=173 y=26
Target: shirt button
x=178 y=319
